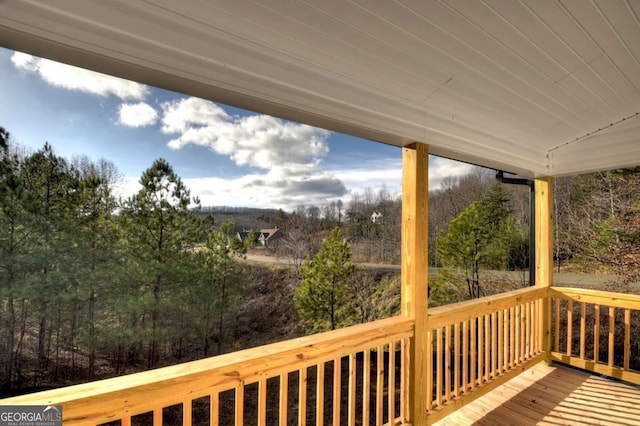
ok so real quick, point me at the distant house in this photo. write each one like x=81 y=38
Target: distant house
x=268 y=236
x=242 y=235
x=376 y=217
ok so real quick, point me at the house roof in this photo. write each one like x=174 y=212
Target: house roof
x=535 y=87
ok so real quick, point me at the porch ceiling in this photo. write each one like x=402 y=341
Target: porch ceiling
x=530 y=86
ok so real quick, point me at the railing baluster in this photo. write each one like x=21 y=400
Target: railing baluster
x=487 y=348
x=583 y=327
x=391 y=392
x=569 y=327
x=284 y=399
x=447 y=363
x=596 y=333
x=466 y=356
x=337 y=379
x=320 y=394
x=527 y=331
x=523 y=332
x=494 y=344
x=557 y=326
x=504 y=340
x=456 y=359
x=187 y=413
x=262 y=402
x=627 y=339
x=157 y=417
x=439 y=366
x=379 y=385
x=480 y=351
x=429 y=383
x=512 y=337
x=125 y=421
x=302 y=396
x=239 y=404
x=530 y=335
x=612 y=330
x=518 y=331
x=351 y=414
x=214 y=409
x=473 y=356
x=366 y=387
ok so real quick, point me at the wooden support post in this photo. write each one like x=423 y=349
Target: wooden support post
x=544 y=253
x=415 y=227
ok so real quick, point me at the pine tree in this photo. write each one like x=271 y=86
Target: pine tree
x=323 y=294
x=163 y=232
x=478 y=238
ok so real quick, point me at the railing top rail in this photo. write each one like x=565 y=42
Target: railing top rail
x=598 y=297
x=462 y=311
x=132 y=393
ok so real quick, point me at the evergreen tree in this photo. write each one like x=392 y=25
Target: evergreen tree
x=324 y=292
x=163 y=231
x=478 y=238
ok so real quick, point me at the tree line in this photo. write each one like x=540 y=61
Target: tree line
x=83 y=274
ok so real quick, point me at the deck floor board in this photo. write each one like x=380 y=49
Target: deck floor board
x=553 y=395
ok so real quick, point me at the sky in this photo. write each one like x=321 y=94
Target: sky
x=224 y=155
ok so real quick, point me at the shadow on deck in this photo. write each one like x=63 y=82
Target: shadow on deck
x=553 y=395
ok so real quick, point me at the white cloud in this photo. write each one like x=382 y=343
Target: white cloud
x=73 y=78
x=258 y=141
x=137 y=115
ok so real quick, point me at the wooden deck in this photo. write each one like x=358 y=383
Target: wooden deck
x=555 y=395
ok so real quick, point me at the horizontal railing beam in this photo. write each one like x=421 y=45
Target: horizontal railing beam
x=463 y=311
x=597 y=297
x=107 y=400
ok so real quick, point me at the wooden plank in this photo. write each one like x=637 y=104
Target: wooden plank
x=627 y=338
x=456 y=404
x=461 y=311
x=337 y=384
x=447 y=363
x=597 y=297
x=596 y=334
x=379 y=385
x=512 y=336
x=518 y=332
x=505 y=341
x=501 y=342
x=487 y=348
x=494 y=344
x=320 y=393
x=404 y=390
x=439 y=373
x=557 y=325
x=302 y=397
x=465 y=361
x=157 y=417
x=391 y=392
x=456 y=359
x=429 y=360
x=366 y=389
x=214 y=409
x=569 y=327
x=239 y=404
x=480 y=351
x=544 y=207
x=583 y=327
x=527 y=330
x=284 y=399
x=187 y=415
x=612 y=330
x=351 y=413
x=262 y=402
x=615 y=372
x=125 y=421
x=415 y=272
x=473 y=360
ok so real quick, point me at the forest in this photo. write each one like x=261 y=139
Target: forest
x=93 y=286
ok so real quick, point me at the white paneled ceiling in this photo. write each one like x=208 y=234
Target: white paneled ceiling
x=531 y=86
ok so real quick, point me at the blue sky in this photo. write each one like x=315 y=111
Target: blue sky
x=225 y=155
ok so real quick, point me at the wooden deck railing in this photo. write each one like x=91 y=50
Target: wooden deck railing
x=592 y=330
x=281 y=383
x=358 y=375
x=479 y=344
